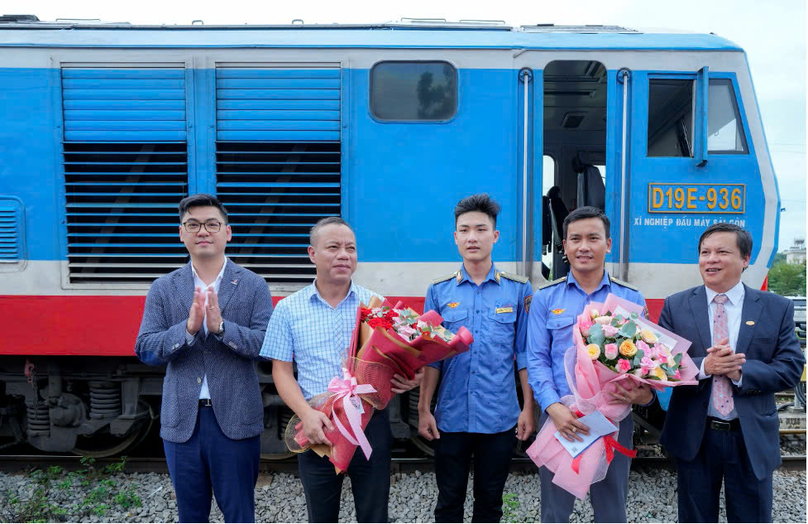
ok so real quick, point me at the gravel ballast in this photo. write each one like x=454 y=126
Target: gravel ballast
x=279 y=498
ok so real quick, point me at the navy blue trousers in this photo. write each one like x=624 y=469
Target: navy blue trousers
x=210 y=463
x=722 y=456
x=370 y=479
x=492 y=463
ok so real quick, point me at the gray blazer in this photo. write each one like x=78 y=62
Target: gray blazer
x=246 y=306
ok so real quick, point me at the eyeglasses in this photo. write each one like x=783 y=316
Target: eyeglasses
x=212 y=226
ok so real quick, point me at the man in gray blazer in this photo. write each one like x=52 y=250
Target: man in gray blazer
x=206 y=321
x=726 y=427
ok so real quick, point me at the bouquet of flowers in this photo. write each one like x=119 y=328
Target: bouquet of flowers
x=613 y=344
x=387 y=340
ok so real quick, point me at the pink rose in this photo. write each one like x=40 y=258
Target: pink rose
x=647 y=365
x=584 y=327
x=610 y=350
x=623 y=365
x=645 y=348
x=609 y=330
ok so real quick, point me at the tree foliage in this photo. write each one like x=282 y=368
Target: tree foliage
x=787 y=279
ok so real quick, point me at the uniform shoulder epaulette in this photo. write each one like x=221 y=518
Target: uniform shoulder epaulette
x=445 y=278
x=514 y=277
x=624 y=284
x=552 y=283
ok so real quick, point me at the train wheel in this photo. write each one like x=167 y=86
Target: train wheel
x=110 y=445
x=428 y=447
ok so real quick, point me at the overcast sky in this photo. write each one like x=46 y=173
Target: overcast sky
x=772 y=33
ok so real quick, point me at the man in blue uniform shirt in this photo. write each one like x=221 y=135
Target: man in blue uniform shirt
x=552 y=316
x=477 y=410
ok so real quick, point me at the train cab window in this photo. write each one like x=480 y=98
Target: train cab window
x=724 y=129
x=413 y=91
x=670 y=117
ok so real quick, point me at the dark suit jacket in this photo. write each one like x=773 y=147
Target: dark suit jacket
x=246 y=306
x=774 y=362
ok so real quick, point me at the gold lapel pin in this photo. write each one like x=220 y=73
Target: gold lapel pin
x=750 y=322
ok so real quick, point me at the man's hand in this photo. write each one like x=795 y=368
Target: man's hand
x=566 y=422
x=401 y=384
x=427 y=427
x=196 y=315
x=721 y=360
x=214 y=318
x=734 y=376
x=640 y=394
x=526 y=424
x=313 y=423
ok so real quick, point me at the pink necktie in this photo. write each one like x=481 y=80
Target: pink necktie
x=722 y=391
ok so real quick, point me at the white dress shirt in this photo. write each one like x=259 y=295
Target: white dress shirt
x=204 y=392
x=733 y=308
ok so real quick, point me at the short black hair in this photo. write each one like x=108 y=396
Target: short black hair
x=481 y=203
x=743 y=238
x=201 y=200
x=582 y=213
x=326 y=221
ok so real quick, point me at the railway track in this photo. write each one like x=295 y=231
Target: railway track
x=18 y=463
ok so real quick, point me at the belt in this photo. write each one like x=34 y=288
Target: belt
x=205 y=403
x=724 y=425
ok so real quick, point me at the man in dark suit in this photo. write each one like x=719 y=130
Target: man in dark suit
x=207 y=321
x=726 y=427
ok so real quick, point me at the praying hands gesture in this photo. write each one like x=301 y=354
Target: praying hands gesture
x=197 y=314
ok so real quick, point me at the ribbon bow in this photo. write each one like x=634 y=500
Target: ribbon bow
x=348 y=389
x=610 y=444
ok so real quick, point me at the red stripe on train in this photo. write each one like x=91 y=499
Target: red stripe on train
x=96 y=325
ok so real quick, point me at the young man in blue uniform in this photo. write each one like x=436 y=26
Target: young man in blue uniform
x=552 y=316
x=477 y=410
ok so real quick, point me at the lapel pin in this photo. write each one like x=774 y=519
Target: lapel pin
x=750 y=322
x=235 y=283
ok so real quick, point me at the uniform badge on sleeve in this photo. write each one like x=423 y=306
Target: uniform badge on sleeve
x=557 y=311
x=528 y=300
x=453 y=304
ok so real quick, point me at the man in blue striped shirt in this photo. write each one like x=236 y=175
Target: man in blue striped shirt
x=313 y=328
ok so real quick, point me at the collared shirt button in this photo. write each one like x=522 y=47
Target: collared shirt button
x=198 y=380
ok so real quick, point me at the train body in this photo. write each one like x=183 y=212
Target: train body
x=105 y=127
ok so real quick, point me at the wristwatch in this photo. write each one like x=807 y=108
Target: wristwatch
x=220 y=333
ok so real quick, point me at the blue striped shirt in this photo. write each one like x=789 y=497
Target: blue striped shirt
x=306 y=329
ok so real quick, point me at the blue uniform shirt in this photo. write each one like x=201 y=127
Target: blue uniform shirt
x=553 y=312
x=477 y=393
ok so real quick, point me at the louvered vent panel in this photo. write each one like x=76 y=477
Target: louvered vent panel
x=288 y=104
x=274 y=192
x=125 y=170
x=12 y=234
x=112 y=104
x=122 y=210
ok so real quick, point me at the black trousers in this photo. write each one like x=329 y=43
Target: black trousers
x=492 y=462
x=722 y=456
x=370 y=479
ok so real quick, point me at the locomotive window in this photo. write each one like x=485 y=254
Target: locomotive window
x=670 y=117
x=413 y=91
x=724 y=129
